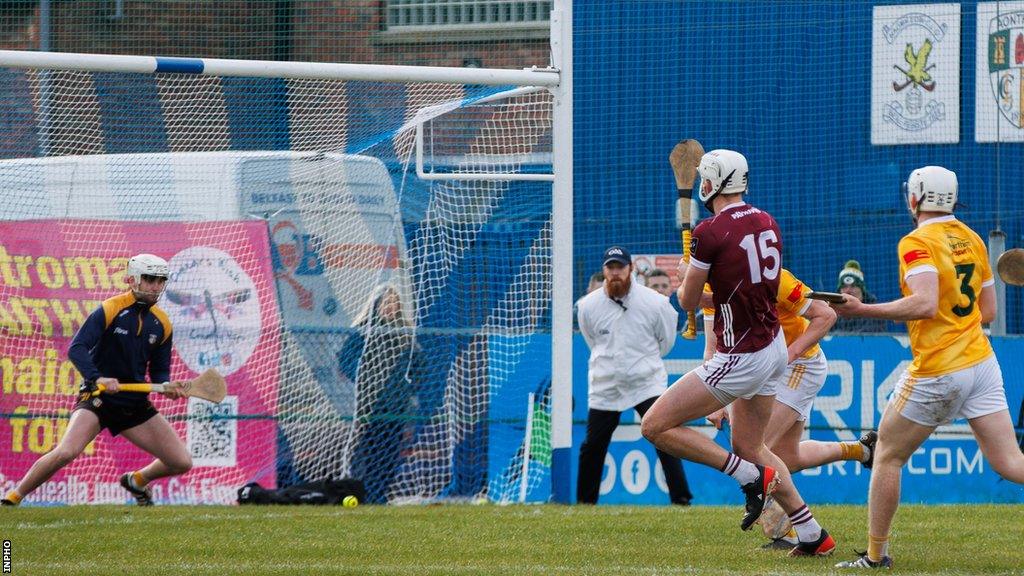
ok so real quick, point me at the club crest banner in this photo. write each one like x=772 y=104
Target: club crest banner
x=999 y=84
x=915 y=74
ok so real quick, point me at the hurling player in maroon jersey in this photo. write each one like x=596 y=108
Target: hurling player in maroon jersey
x=739 y=252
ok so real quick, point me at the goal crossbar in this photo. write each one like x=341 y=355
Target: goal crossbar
x=547 y=77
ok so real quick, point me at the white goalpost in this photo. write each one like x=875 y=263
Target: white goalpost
x=378 y=259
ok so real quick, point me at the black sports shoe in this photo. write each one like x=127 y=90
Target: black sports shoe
x=758 y=494
x=823 y=546
x=869 y=439
x=143 y=497
x=6 y=502
x=778 y=544
x=862 y=562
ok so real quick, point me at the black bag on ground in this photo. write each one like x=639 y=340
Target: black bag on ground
x=319 y=492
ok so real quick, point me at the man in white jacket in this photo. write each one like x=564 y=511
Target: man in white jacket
x=628 y=328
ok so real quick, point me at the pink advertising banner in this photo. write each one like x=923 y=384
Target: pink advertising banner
x=221 y=301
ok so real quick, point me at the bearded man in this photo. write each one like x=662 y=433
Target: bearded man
x=629 y=328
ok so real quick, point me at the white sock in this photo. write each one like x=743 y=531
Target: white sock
x=742 y=471
x=807 y=528
x=867 y=453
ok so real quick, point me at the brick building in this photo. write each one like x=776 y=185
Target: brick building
x=491 y=33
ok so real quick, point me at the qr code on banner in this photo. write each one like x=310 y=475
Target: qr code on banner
x=213 y=431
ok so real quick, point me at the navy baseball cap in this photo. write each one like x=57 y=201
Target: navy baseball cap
x=617 y=254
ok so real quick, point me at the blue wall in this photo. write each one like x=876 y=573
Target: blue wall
x=788 y=84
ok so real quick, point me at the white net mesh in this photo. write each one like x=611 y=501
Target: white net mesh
x=369 y=323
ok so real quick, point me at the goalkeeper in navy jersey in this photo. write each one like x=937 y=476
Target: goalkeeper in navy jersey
x=122 y=340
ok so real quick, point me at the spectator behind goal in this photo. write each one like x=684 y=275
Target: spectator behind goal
x=381 y=356
x=851 y=281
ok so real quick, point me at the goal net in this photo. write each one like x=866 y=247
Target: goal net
x=368 y=263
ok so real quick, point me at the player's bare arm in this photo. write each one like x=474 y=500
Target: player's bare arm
x=821 y=319
x=707 y=299
x=710 y=340
x=921 y=304
x=693 y=279
x=707 y=303
x=987 y=304
x=717 y=417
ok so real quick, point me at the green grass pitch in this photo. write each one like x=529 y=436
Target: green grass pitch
x=464 y=539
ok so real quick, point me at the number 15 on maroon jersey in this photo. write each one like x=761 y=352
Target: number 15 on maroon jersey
x=741 y=247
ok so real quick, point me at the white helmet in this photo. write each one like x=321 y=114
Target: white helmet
x=721 y=172
x=931 y=189
x=147 y=264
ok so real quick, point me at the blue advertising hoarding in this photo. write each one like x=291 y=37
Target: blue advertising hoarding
x=862 y=373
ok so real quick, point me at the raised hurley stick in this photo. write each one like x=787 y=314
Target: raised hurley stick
x=685 y=158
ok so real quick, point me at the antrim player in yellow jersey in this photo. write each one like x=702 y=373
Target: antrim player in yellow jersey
x=804 y=322
x=948 y=293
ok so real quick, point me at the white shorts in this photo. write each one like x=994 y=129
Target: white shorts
x=732 y=376
x=936 y=400
x=801 y=383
